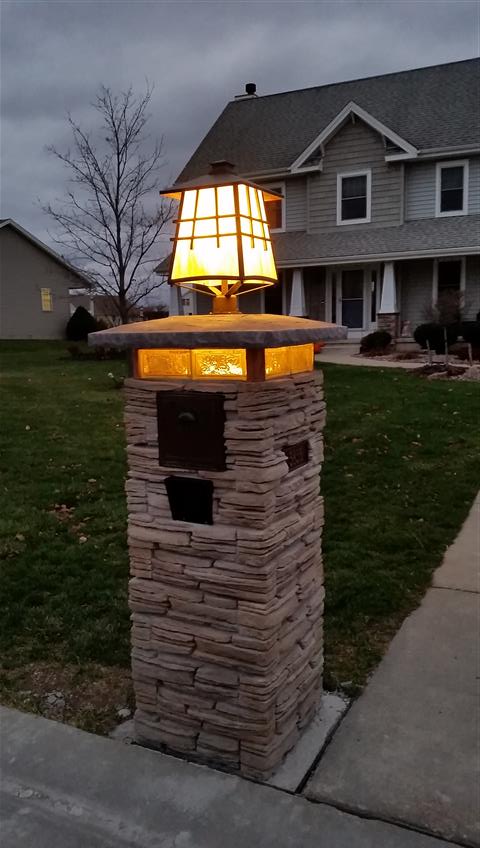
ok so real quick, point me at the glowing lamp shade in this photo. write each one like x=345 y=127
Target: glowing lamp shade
x=222 y=242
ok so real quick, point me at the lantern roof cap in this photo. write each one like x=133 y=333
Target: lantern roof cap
x=234 y=330
x=222 y=173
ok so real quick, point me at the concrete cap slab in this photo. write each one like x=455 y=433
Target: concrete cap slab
x=214 y=331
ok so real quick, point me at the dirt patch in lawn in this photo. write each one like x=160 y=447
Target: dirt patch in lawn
x=92 y=697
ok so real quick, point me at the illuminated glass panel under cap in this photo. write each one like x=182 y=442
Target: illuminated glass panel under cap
x=217 y=364
x=160 y=362
x=281 y=361
x=221 y=363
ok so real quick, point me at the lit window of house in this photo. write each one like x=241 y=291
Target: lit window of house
x=46 y=299
x=452 y=188
x=354 y=197
x=275 y=209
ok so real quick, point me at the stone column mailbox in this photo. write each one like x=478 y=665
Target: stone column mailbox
x=224 y=417
x=225 y=523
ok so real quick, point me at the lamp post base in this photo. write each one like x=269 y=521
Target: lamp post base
x=224 y=305
x=227 y=641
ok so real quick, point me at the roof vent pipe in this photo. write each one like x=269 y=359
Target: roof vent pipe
x=250 y=89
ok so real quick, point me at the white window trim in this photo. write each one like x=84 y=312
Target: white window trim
x=279 y=186
x=366 y=172
x=463 y=274
x=440 y=166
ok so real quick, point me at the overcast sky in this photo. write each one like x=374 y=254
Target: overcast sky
x=198 y=55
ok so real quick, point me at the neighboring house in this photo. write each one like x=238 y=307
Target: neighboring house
x=34 y=286
x=381 y=185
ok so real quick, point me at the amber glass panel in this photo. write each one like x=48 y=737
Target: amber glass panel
x=277 y=361
x=163 y=363
x=219 y=364
x=301 y=358
x=281 y=361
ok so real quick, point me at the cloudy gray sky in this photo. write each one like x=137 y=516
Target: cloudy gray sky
x=198 y=55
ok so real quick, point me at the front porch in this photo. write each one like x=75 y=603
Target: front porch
x=392 y=295
x=396 y=296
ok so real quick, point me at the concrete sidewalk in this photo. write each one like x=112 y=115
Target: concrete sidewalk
x=408 y=750
x=340 y=357
x=63 y=788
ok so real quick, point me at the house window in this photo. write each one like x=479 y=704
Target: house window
x=449 y=278
x=452 y=188
x=46 y=300
x=275 y=209
x=354 y=197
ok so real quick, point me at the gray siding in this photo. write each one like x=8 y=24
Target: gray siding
x=420 y=189
x=474 y=186
x=355 y=147
x=472 y=287
x=416 y=282
x=24 y=270
x=296 y=204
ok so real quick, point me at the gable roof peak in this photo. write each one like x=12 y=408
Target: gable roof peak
x=9 y=222
x=406 y=149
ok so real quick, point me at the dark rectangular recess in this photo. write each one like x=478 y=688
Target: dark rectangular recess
x=190 y=499
x=191 y=430
x=297 y=454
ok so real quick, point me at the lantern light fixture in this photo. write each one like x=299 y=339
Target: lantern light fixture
x=222 y=244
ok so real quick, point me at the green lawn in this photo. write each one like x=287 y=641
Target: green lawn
x=402 y=467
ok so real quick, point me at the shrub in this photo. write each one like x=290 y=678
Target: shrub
x=434 y=334
x=80 y=325
x=471 y=333
x=377 y=341
x=447 y=310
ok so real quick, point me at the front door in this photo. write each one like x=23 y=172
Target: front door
x=354 y=298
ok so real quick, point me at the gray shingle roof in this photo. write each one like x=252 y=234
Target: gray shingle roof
x=428 y=236
x=428 y=107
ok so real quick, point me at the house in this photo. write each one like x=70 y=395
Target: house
x=381 y=193
x=35 y=284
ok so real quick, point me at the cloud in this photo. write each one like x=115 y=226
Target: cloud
x=198 y=55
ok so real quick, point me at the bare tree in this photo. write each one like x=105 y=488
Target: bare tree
x=107 y=220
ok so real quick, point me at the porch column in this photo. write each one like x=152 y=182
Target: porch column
x=297 y=300
x=387 y=316
x=175 y=304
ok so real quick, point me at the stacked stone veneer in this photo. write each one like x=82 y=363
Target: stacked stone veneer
x=389 y=321
x=227 y=618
